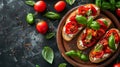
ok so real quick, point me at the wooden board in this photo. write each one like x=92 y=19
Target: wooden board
x=65 y=46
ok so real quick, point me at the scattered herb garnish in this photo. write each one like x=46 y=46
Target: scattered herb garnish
x=48 y=54
x=62 y=65
x=52 y=15
x=98 y=47
x=70 y=2
x=37 y=66
x=78 y=54
x=50 y=35
x=30 y=18
x=30 y=2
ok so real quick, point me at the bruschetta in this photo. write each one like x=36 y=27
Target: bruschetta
x=72 y=27
x=106 y=46
x=89 y=36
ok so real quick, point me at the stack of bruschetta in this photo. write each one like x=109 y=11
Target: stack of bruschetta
x=104 y=40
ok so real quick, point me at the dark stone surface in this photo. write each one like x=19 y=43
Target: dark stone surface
x=20 y=43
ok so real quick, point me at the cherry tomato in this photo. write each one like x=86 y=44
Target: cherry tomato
x=71 y=27
x=42 y=27
x=102 y=24
x=118 y=12
x=117 y=65
x=40 y=6
x=60 y=6
x=82 y=10
x=94 y=11
x=72 y=18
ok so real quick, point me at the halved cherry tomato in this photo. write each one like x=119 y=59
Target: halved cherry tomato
x=117 y=65
x=82 y=10
x=107 y=50
x=40 y=6
x=42 y=27
x=102 y=24
x=71 y=27
x=94 y=11
x=60 y=6
x=72 y=18
x=98 y=54
x=92 y=42
x=100 y=32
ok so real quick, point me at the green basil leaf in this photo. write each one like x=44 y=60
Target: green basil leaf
x=89 y=21
x=81 y=19
x=37 y=66
x=50 y=35
x=98 y=47
x=71 y=53
x=30 y=2
x=30 y=18
x=106 y=23
x=52 y=15
x=98 y=3
x=84 y=57
x=89 y=12
x=112 y=2
x=95 y=25
x=70 y=2
x=106 y=5
x=112 y=42
x=118 y=4
x=62 y=65
x=48 y=54
x=89 y=36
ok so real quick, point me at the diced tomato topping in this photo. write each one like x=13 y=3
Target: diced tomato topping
x=104 y=42
x=82 y=10
x=98 y=54
x=91 y=43
x=94 y=11
x=71 y=27
x=72 y=18
x=102 y=24
x=107 y=50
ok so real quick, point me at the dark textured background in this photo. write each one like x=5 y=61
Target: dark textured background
x=20 y=43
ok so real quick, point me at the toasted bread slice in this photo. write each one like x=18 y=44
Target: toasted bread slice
x=79 y=41
x=105 y=55
x=69 y=37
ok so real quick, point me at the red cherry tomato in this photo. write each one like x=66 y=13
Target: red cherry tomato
x=98 y=54
x=40 y=6
x=94 y=11
x=82 y=10
x=118 y=12
x=42 y=27
x=117 y=65
x=60 y=6
x=71 y=27
x=102 y=24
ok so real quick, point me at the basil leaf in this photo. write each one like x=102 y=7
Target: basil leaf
x=106 y=5
x=112 y=2
x=106 y=23
x=71 y=53
x=98 y=3
x=118 y=4
x=112 y=42
x=62 y=65
x=30 y=18
x=52 y=15
x=89 y=21
x=95 y=25
x=89 y=36
x=98 y=47
x=89 y=12
x=50 y=35
x=70 y=2
x=84 y=57
x=37 y=66
x=48 y=54
x=81 y=19
x=30 y=2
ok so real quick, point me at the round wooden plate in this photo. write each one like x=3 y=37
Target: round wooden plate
x=65 y=46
